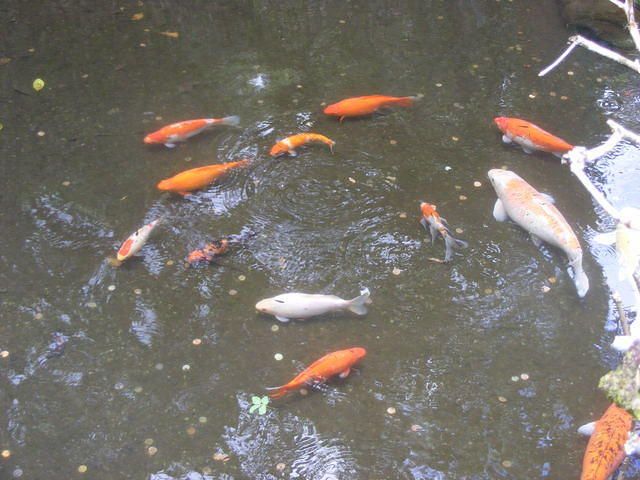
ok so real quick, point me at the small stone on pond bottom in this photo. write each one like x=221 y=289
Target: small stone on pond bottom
x=396 y=271
x=304 y=391
x=148 y=441
x=138 y=389
x=477 y=184
x=403 y=215
x=151 y=451
x=552 y=279
x=159 y=366
x=242 y=278
x=233 y=292
x=524 y=376
x=186 y=367
x=507 y=464
x=416 y=428
x=393 y=142
x=137 y=291
x=202 y=419
x=38 y=316
x=191 y=431
x=502 y=399
x=119 y=386
x=66 y=183
x=82 y=468
x=447 y=168
x=196 y=341
x=462 y=197
x=6 y=453
x=207 y=471
x=170 y=262
x=92 y=304
x=564 y=97
x=455 y=139
x=220 y=457
x=459 y=230
x=278 y=356
x=275 y=328
x=111 y=288
x=41 y=133
x=280 y=467
x=391 y=411
x=17 y=473
x=488 y=291
x=545 y=289
x=4 y=354
x=438 y=85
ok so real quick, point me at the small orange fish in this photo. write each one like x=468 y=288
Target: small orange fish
x=605 y=450
x=289 y=144
x=356 y=106
x=209 y=252
x=433 y=222
x=136 y=240
x=318 y=372
x=181 y=131
x=530 y=137
x=197 y=178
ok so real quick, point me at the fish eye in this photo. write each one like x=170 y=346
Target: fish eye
x=280 y=301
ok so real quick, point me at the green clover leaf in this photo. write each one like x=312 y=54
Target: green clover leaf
x=259 y=404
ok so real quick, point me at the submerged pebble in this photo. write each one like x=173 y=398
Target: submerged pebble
x=396 y=271
x=391 y=411
x=191 y=431
x=202 y=420
x=280 y=467
x=4 y=354
x=148 y=441
x=275 y=328
x=151 y=451
x=278 y=356
x=233 y=292
x=524 y=376
x=502 y=399
x=6 y=453
x=416 y=428
x=82 y=468
x=186 y=367
x=196 y=341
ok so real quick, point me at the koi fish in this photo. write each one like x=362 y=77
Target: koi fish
x=210 y=252
x=197 y=178
x=357 y=106
x=433 y=222
x=181 y=131
x=536 y=213
x=335 y=363
x=289 y=144
x=530 y=137
x=136 y=240
x=606 y=448
x=303 y=305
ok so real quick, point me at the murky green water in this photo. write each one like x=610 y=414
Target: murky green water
x=102 y=359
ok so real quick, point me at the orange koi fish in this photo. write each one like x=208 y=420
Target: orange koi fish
x=530 y=137
x=136 y=240
x=197 y=178
x=354 y=107
x=181 y=131
x=605 y=450
x=289 y=144
x=433 y=222
x=335 y=363
x=210 y=252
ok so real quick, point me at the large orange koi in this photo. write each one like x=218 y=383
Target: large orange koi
x=289 y=144
x=357 y=106
x=321 y=370
x=530 y=137
x=197 y=178
x=181 y=131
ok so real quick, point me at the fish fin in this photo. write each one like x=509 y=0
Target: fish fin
x=499 y=213
x=345 y=374
x=608 y=238
x=527 y=150
x=449 y=243
x=278 y=393
x=282 y=319
x=558 y=154
x=587 y=429
x=331 y=147
x=423 y=222
x=580 y=280
x=461 y=243
x=233 y=120
x=342 y=118
x=170 y=145
x=434 y=233
x=536 y=240
x=292 y=153
x=548 y=197
x=506 y=139
x=358 y=305
x=184 y=194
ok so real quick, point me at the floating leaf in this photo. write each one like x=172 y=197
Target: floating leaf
x=137 y=16
x=623 y=383
x=259 y=404
x=170 y=34
x=38 y=84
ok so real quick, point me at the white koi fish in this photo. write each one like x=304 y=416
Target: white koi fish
x=536 y=213
x=303 y=305
x=136 y=240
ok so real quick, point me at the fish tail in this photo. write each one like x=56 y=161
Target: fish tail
x=233 y=120
x=278 y=392
x=358 y=305
x=451 y=243
x=408 y=101
x=580 y=278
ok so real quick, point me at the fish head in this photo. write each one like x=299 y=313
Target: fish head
x=164 y=185
x=125 y=249
x=154 y=137
x=332 y=110
x=501 y=122
x=500 y=177
x=268 y=305
x=357 y=352
x=278 y=149
x=427 y=209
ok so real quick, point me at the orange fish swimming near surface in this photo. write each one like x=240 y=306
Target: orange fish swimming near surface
x=530 y=137
x=433 y=222
x=605 y=450
x=197 y=178
x=289 y=144
x=181 y=131
x=335 y=363
x=210 y=252
x=357 y=106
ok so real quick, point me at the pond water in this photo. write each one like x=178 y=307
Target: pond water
x=488 y=373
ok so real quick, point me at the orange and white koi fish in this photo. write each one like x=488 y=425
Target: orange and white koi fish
x=210 y=252
x=289 y=144
x=197 y=178
x=181 y=131
x=335 y=363
x=606 y=448
x=357 y=106
x=136 y=240
x=433 y=222
x=536 y=213
x=530 y=137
